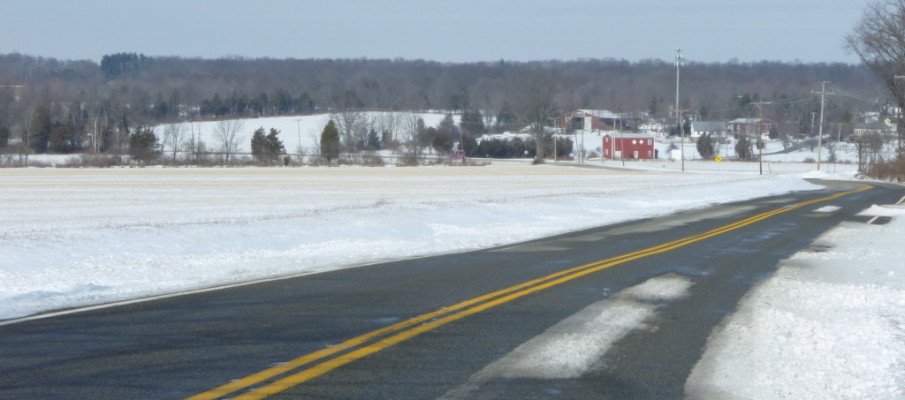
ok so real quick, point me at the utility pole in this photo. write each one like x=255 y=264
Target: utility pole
x=836 y=145
x=194 y=148
x=581 y=149
x=823 y=94
x=298 y=123
x=95 y=145
x=679 y=113
x=622 y=140
x=760 y=142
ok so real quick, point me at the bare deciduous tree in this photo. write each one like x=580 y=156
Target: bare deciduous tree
x=353 y=128
x=536 y=102
x=879 y=41
x=390 y=123
x=227 y=135
x=174 y=138
x=411 y=130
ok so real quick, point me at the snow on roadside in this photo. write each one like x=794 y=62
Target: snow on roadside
x=74 y=237
x=829 y=324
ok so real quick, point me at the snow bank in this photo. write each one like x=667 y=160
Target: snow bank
x=830 y=324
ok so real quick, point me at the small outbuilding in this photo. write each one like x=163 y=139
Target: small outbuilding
x=636 y=146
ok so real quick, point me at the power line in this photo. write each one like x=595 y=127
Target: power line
x=847 y=93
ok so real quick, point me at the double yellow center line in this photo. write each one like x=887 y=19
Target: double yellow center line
x=375 y=341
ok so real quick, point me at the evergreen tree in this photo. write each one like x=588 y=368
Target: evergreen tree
x=266 y=149
x=283 y=102
x=705 y=146
x=469 y=145
x=160 y=109
x=4 y=136
x=259 y=104
x=61 y=139
x=373 y=140
x=426 y=137
x=258 y=145
x=274 y=145
x=472 y=123
x=447 y=131
x=305 y=103
x=330 y=142
x=420 y=127
x=501 y=148
x=143 y=145
x=116 y=65
x=448 y=126
x=506 y=118
x=442 y=143
x=743 y=148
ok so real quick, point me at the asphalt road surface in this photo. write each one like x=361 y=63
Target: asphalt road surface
x=436 y=327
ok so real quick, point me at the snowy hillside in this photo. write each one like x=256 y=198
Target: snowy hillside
x=299 y=130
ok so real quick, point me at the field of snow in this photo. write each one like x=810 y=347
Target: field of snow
x=827 y=325
x=75 y=237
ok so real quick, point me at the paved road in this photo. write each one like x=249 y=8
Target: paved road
x=432 y=327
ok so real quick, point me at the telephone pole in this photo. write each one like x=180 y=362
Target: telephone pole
x=679 y=113
x=760 y=134
x=823 y=94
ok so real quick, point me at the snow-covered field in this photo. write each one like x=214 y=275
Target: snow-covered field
x=827 y=325
x=74 y=237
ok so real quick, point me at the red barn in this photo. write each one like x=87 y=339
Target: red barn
x=637 y=146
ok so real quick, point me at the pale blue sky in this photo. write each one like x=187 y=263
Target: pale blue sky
x=452 y=30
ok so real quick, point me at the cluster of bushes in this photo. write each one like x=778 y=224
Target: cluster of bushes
x=888 y=171
x=519 y=148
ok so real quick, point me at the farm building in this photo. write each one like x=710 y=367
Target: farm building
x=752 y=126
x=638 y=146
x=589 y=120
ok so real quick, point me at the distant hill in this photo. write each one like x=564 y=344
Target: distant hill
x=127 y=90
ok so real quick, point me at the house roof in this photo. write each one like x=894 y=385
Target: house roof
x=749 y=120
x=607 y=114
x=630 y=135
x=708 y=126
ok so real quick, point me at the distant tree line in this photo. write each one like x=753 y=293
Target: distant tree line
x=64 y=106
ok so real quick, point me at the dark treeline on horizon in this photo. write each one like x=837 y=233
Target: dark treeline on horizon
x=127 y=90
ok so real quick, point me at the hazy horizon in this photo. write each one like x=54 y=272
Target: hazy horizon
x=710 y=31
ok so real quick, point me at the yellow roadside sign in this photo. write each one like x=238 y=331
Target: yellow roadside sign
x=718 y=159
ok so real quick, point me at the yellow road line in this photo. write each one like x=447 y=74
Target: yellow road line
x=412 y=327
